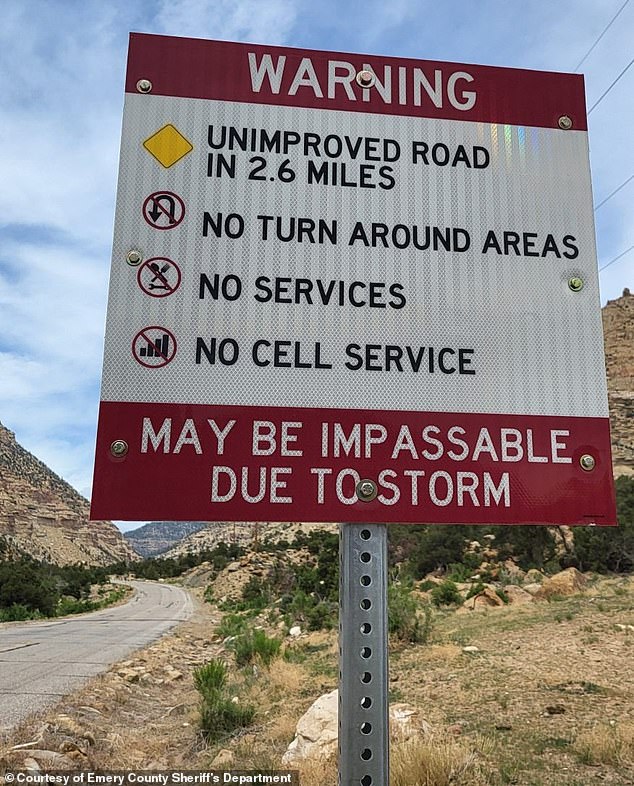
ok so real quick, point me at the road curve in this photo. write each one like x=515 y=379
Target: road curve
x=41 y=661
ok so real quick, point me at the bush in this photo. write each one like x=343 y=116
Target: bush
x=475 y=589
x=69 y=605
x=219 y=715
x=211 y=678
x=232 y=625
x=403 y=619
x=323 y=615
x=256 y=646
x=256 y=594
x=16 y=613
x=446 y=594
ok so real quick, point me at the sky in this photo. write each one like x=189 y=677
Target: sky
x=62 y=66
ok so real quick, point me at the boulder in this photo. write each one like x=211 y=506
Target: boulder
x=534 y=576
x=567 y=582
x=486 y=599
x=317 y=730
x=532 y=589
x=513 y=570
x=517 y=595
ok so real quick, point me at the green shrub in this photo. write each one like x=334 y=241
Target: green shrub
x=323 y=615
x=256 y=646
x=232 y=625
x=68 y=605
x=459 y=571
x=446 y=594
x=475 y=589
x=219 y=715
x=403 y=618
x=16 y=613
x=218 y=718
x=502 y=595
x=210 y=678
x=256 y=594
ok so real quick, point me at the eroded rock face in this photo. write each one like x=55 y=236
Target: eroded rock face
x=317 y=730
x=43 y=516
x=618 y=335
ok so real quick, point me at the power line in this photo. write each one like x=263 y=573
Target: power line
x=602 y=34
x=616 y=191
x=604 y=94
x=612 y=261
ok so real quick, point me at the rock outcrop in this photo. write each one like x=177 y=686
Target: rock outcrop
x=44 y=517
x=618 y=334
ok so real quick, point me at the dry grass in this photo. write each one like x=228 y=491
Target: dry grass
x=607 y=744
x=436 y=760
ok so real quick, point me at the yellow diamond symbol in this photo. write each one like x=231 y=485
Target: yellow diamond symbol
x=168 y=146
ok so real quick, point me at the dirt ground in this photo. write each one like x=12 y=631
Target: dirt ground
x=544 y=696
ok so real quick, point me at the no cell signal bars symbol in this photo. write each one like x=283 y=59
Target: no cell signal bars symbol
x=154 y=347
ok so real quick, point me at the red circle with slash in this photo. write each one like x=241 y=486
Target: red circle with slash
x=159 y=277
x=163 y=210
x=154 y=346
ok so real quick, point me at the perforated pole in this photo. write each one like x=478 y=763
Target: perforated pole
x=363 y=661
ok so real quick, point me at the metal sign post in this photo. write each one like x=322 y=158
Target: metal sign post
x=363 y=658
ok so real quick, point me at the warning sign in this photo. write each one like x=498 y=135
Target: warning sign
x=168 y=146
x=353 y=298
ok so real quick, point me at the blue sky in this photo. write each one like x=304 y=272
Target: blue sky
x=62 y=65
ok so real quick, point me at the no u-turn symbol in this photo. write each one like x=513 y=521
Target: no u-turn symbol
x=163 y=210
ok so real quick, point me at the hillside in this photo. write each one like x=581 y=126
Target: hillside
x=43 y=516
x=243 y=533
x=157 y=537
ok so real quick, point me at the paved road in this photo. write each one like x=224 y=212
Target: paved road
x=43 y=661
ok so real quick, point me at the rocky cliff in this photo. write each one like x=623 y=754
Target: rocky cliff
x=618 y=331
x=243 y=533
x=43 y=516
x=157 y=537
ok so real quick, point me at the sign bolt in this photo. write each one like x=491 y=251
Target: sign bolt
x=134 y=257
x=366 y=490
x=119 y=448
x=587 y=462
x=576 y=284
x=366 y=79
x=144 y=86
x=565 y=123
